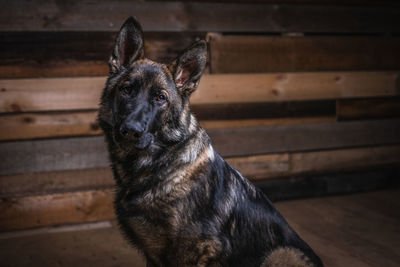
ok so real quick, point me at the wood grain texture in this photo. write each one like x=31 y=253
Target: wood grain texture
x=84 y=92
x=239 y=88
x=56 y=68
x=63 y=208
x=96 y=205
x=51 y=94
x=43 y=183
x=259 y=110
x=90 y=152
x=218 y=124
x=243 y=54
x=368 y=108
x=256 y=168
x=336 y=226
x=84 y=123
x=41 y=125
x=72 y=54
x=80 y=248
x=261 y=167
x=343 y=213
x=329 y=2
x=320 y=2
x=72 y=15
x=283 y=138
x=53 y=154
x=325 y=184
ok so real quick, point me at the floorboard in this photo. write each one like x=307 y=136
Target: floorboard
x=350 y=230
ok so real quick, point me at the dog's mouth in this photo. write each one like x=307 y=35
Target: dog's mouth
x=144 y=142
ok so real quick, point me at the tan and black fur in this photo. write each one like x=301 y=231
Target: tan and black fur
x=177 y=200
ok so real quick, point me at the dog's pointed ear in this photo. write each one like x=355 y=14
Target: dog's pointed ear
x=129 y=45
x=188 y=67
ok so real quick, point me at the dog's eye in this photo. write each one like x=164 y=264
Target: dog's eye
x=161 y=97
x=126 y=90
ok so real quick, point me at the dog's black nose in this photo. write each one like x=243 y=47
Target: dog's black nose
x=132 y=130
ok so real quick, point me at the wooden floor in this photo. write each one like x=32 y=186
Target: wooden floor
x=352 y=230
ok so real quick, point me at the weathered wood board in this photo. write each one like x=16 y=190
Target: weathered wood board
x=256 y=168
x=246 y=54
x=96 y=205
x=43 y=183
x=90 y=152
x=72 y=15
x=50 y=125
x=84 y=92
x=259 y=140
x=42 y=125
x=63 y=208
x=328 y=2
x=368 y=108
x=73 y=54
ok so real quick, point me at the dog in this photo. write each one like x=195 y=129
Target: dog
x=177 y=200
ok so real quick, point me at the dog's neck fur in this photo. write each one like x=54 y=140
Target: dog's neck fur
x=189 y=146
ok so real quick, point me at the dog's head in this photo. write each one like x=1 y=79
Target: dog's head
x=144 y=101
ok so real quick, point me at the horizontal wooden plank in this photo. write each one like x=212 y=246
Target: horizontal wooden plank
x=259 y=140
x=368 y=108
x=41 y=125
x=19 y=47
x=373 y=232
x=329 y=2
x=50 y=94
x=41 y=232
x=47 y=125
x=72 y=15
x=87 y=244
x=52 y=155
x=243 y=54
x=218 y=124
x=260 y=110
x=90 y=152
x=84 y=92
x=330 y=184
x=67 y=54
x=239 y=88
x=259 y=167
x=58 y=54
x=63 y=208
x=43 y=183
x=97 y=205
x=54 y=68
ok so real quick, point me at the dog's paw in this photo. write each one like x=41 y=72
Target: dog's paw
x=286 y=257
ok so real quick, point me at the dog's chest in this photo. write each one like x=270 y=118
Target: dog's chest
x=163 y=245
x=150 y=220
x=169 y=233
x=151 y=237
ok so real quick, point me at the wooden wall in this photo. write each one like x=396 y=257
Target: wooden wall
x=294 y=88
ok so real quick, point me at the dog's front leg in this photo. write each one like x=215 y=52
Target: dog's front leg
x=149 y=263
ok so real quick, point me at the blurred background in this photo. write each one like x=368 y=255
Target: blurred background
x=302 y=96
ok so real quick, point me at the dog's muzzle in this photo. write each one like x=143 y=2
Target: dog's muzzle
x=134 y=134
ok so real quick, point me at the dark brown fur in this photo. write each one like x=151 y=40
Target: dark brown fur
x=177 y=200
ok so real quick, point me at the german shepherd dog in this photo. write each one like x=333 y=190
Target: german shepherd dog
x=177 y=200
